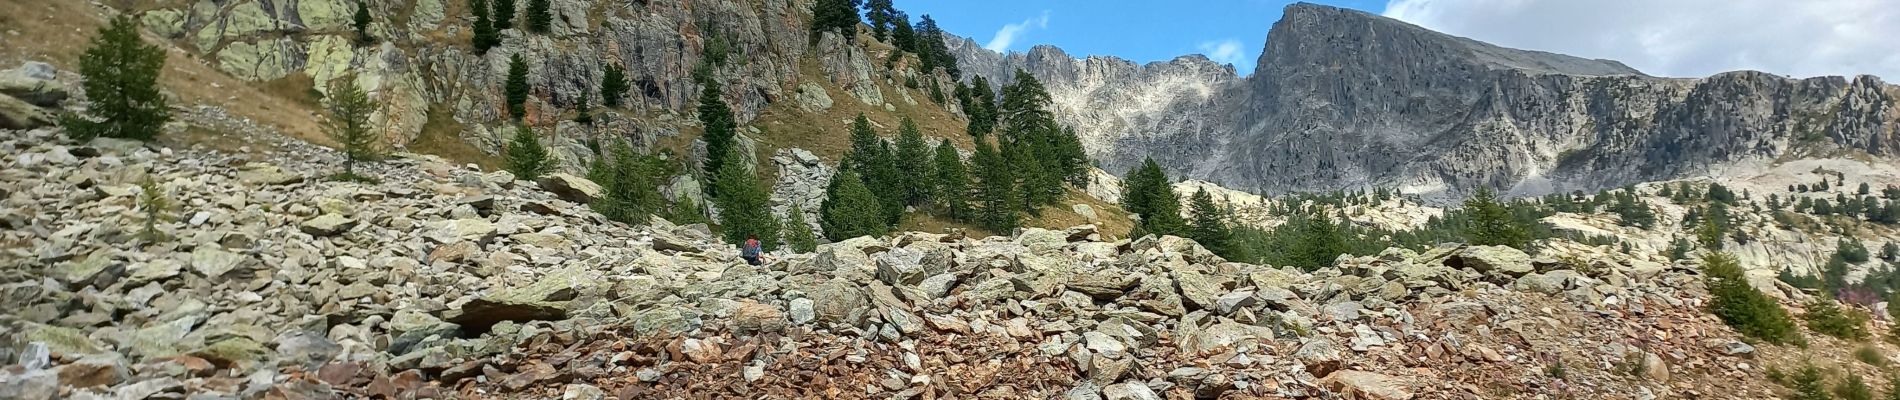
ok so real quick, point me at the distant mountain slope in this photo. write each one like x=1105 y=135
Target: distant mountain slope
x=1343 y=99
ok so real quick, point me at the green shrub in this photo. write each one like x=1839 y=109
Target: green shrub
x=1870 y=355
x=1806 y=384
x=1825 y=316
x=1739 y=305
x=1853 y=388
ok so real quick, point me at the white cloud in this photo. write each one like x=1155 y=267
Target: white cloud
x=1009 y=33
x=1223 y=51
x=1684 y=37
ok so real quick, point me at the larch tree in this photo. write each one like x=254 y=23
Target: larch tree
x=349 y=124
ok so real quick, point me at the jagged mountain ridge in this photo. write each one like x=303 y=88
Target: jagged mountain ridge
x=1343 y=99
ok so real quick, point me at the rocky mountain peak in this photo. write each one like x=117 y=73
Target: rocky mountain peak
x=1311 y=34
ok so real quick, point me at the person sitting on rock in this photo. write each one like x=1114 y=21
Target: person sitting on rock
x=752 y=251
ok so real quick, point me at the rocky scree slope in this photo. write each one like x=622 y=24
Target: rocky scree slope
x=442 y=281
x=423 y=68
x=1342 y=99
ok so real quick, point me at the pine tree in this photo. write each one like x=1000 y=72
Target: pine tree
x=1633 y=213
x=361 y=22
x=982 y=107
x=686 y=212
x=902 y=35
x=997 y=207
x=613 y=85
x=882 y=16
x=349 y=124
x=953 y=182
x=1739 y=305
x=485 y=36
x=850 y=209
x=517 y=87
x=721 y=129
x=630 y=184
x=840 y=16
x=1491 y=223
x=876 y=164
x=540 y=18
x=744 y=207
x=122 y=80
x=914 y=162
x=1209 y=227
x=154 y=204
x=1318 y=241
x=584 y=115
x=798 y=233
x=931 y=49
x=1148 y=193
x=504 y=14
x=527 y=159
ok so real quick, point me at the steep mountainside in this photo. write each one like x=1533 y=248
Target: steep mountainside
x=1343 y=99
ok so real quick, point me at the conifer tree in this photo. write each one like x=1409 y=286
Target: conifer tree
x=850 y=209
x=881 y=15
x=876 y=164
x=686 y=212
x=1148 y=193
x=349 y=124
x=1209 y=227
x=1807 y=385
x=931 y=49
x=982 y=108
x=613 y=85
x=914 y=163
x=540 y=18
x=1739 y=305
x=361 y=22
x=122 y=81
x=721 y=129
x=1319 y=240
x=516 y=89
x=584 y=113
x=744 y=207
x=527 y=159
x=629 y=183
x=953 y=182
x=154 y=204
x=998 y=208
x=485 y=35
x=1491 y=223
x=840 y=16
x=798 y=233
x=902 y=35
x=504 y=14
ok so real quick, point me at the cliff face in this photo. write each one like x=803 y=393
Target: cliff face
x=1123 y=111
x=1345 y=100
x=422 y=62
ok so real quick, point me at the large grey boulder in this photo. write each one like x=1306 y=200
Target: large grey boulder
x=35 y=83
x=18 y=114
x=1493 y=260
x=570 y=187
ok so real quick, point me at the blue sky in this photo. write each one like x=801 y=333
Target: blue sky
x=1231 y=31
x=1677 y=38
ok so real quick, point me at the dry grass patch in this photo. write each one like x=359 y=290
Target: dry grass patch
x=57 y=32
